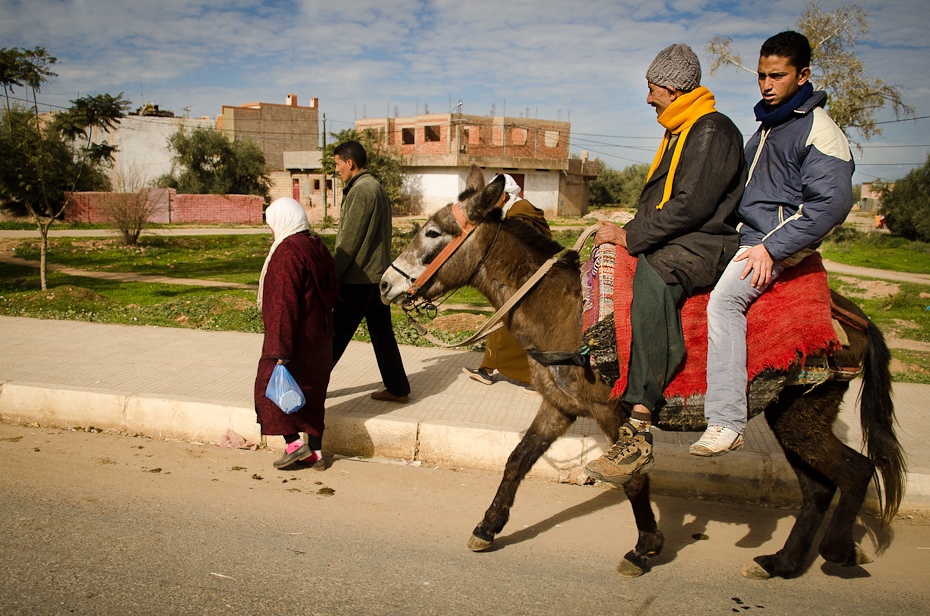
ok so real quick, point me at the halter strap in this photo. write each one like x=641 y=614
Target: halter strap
x=467 y=227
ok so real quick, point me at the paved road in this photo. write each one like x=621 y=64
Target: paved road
x=107 y=524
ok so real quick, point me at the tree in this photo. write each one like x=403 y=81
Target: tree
x=10 y=72
x=129 y=207
x=47 y=159
x=853 y=96
x=386 y=165
x=906 y=204
x=25 y=67
x=212 y=164
x=614 y=187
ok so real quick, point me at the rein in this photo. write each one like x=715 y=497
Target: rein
x=494 y=323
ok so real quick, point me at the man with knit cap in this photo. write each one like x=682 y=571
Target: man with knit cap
x=683 y=235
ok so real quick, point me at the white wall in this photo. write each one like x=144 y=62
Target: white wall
x=441 y=186
x=143 y=152
x=541 y=188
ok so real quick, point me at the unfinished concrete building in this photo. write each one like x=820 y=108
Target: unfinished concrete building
x=439 y=150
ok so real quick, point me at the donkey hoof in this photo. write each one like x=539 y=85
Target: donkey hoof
x=754 y=571
x=860 y=557
x=628 y=569
x=477 y=544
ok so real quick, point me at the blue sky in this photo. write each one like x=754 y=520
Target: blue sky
x=576 y=60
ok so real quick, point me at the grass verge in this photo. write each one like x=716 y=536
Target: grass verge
x=901 y=311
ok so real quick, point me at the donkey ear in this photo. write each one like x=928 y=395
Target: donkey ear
x=475 y=180
x=479 y=205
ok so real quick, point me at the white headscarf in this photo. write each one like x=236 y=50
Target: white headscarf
x=285 y=217
x=513 y=192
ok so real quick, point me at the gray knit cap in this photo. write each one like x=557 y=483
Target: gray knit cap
x=677 y=67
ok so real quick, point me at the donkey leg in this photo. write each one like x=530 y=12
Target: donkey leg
x=811 y=437
x=636 y=561
x=855 y=472
x=816 y=494
x=801 y=425
x=548 y=425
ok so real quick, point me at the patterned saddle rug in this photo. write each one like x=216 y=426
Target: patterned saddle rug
x=791 y=336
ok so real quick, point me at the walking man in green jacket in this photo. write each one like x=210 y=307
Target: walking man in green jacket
x=363 y=253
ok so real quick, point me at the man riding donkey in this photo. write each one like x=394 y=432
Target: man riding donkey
x=683 y=235
x=799 y=189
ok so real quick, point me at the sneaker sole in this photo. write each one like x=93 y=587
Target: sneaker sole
x=478 y=377
x=619 y=480
x=707 y=453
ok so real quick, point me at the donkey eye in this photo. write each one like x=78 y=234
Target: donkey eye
x=432 y=233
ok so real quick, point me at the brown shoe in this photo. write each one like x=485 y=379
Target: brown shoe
x=386 y=396
x=632 y=453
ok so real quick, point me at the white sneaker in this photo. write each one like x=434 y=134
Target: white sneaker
x=717 y=441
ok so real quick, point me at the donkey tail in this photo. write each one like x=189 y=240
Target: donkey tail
x=878 y=430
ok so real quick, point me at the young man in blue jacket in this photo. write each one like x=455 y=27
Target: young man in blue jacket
x=799 y=189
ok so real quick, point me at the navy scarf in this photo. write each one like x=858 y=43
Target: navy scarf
x=773 y=117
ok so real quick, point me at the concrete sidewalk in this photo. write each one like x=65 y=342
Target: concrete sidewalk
x=194 y=385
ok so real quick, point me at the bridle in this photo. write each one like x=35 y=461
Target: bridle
x=467 y=227
x=420 y=306
x=414 y=304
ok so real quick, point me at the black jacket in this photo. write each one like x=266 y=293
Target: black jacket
x=693 y=237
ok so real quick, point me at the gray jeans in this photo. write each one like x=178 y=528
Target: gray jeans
x=725 y=402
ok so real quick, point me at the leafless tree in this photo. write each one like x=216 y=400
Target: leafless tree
x=129 y=207
x=854 y=97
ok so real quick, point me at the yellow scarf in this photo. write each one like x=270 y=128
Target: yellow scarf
x=678 y=118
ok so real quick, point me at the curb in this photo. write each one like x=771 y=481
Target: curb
x=742 y=476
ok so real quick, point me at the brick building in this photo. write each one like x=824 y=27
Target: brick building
x=289 y=136
x=439 y=149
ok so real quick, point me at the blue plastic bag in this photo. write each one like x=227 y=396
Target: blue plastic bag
x=284 y=391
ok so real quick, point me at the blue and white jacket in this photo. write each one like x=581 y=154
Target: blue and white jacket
x=800 y=178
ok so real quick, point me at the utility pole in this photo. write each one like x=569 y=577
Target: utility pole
x=322 y=166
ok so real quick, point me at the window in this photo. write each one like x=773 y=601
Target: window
x=552 y=138
x=406 y=136
x=518 y=136
x=316 y=185
x=431 y=133
x=497 y=134
x=375 y=134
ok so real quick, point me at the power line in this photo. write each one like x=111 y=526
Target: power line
x=894 y=121
x=888 y=164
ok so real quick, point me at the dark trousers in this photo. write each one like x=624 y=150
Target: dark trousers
x=658 y=345
x=358 y=301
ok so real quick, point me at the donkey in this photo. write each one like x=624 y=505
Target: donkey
x=500 y=255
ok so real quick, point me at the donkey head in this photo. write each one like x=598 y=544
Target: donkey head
x=437 y=232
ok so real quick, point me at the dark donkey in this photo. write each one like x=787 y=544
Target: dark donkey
x=500 y=255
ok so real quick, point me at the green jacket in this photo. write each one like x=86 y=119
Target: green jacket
x=363 y=244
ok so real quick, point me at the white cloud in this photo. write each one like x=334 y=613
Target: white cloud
x=584 y=59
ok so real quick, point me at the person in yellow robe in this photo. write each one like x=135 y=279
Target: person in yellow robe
x=501 y=352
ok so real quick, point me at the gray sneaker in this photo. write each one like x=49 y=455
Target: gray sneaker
x=632 y=453
x=298 y=453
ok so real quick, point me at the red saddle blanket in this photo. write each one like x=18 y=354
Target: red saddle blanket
x=788 y=322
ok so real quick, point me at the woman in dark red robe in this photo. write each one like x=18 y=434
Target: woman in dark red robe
x=297 y=291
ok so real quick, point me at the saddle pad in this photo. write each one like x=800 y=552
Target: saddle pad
x=790 y=321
